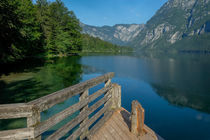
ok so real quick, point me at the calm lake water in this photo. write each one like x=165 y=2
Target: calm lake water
x=173 y=89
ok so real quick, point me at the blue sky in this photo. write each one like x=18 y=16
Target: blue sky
x=110 y=12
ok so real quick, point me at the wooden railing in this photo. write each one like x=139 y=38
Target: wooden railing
x=111 y=100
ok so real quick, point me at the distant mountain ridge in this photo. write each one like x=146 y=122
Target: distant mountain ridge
x=176 y=23
x=120 y=34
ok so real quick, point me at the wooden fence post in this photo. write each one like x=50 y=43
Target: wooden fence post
x=137 y=119
x=116 y=96
x=84 y=96
x=108 y=83
x=34 y=120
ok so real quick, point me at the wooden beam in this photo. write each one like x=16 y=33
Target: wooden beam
x=32 y=109
x=116 y=96
x=81 y=129
x=50 y=100
x=82 y=98
x=33 y=121
x=45 y=125
x=107 y=84
x=21 y=110
x=137 y=119
x=70 y=125
x=101 y=122
x=23 y=133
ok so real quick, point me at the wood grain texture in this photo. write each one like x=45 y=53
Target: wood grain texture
x=33 y=121
x=23 y=133
x=48 y=101
x=98 y=125
x=9 y=111
x=81 y=129
x=115 y=122
x=45 y=125
x=117 y=127
x=70 y=125
x=116 y=96
x=82 y=98
x=137 y=118
x=33 y=109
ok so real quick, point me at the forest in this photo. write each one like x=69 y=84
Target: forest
x=42 y=28
x=94 y=44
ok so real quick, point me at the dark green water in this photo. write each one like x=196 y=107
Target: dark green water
x=173 y=89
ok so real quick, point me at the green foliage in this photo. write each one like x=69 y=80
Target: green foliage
x=60 y=26
x=92 y=44
x=28 y=29
x=20 y=32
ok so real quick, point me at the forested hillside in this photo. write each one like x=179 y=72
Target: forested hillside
x=94 y=44
x=30 y=29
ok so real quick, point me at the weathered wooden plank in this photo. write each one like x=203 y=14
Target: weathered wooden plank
x=116 y=96
x=99 y=93
x=33 y=121
x=50 y=100
x=100 y=123
x=66 y=128
x=115 y=128
x=32 y=109
x=81 y=129
x=82 y=98
x=107 y=83
x=23 y=133
x=107 y=133
x=45 y=125
x=21 y=110
x=137 y=119
x=122 y=134
x=121 y=125
x=104 y=135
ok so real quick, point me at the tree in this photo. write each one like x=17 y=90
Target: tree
x=61 y=27
x=20 y=33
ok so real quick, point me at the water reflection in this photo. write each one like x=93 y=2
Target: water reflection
x=173 y=89
x=30 y=82
x=34 y=82
x=181 y=79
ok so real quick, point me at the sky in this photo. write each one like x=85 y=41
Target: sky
x=111 y=12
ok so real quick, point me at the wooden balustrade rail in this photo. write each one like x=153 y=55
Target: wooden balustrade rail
x=31 y=111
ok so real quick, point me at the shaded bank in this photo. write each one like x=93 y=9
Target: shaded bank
x=33 y=79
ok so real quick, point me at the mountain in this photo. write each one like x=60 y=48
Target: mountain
x=178 y=24
x=120 y=34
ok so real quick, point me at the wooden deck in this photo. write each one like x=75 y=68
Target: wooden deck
x=116 y=123
x=118 y=127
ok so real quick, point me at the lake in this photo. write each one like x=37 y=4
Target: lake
x=174 y=89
